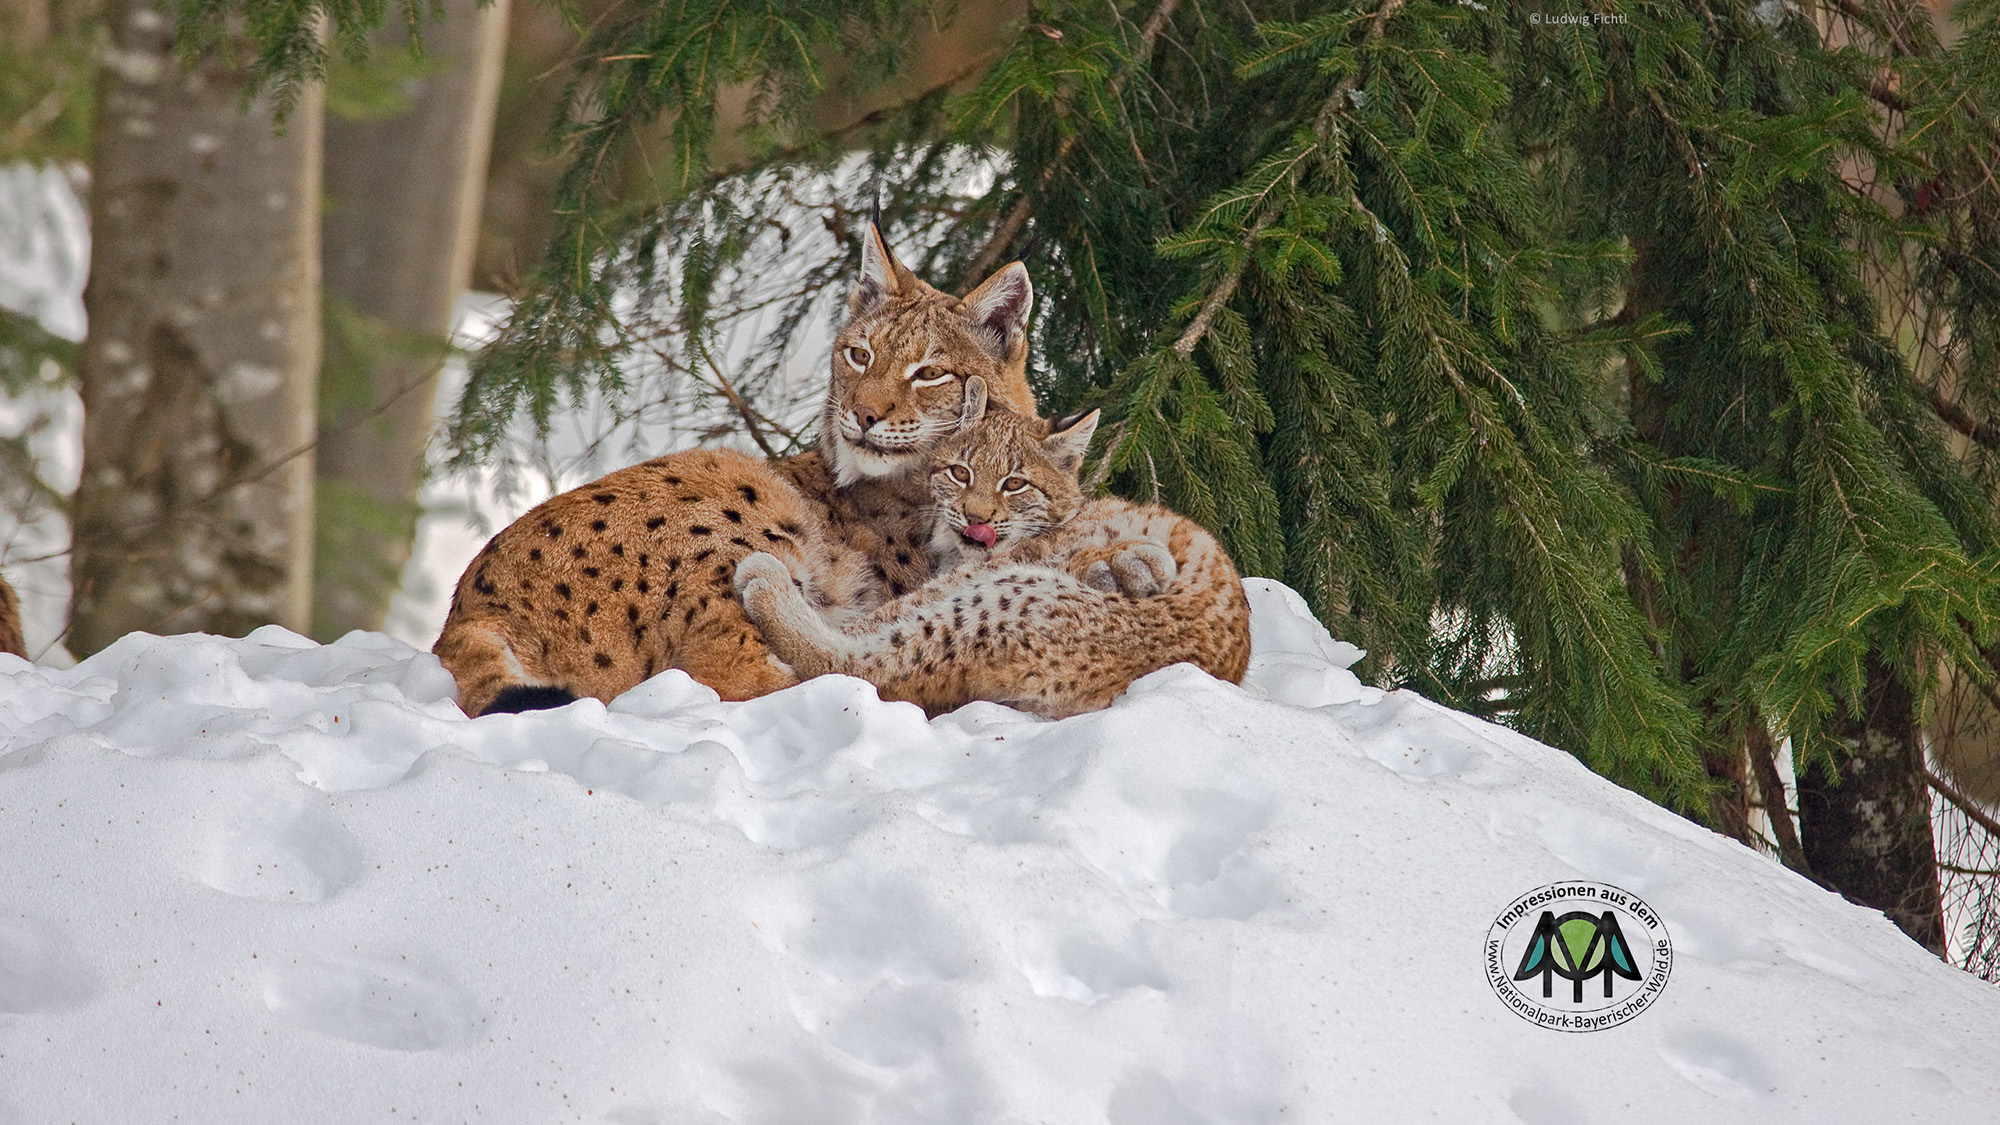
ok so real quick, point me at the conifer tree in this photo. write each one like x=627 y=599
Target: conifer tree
x=1544 y=352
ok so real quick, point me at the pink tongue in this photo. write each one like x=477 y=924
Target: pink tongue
x=980 y=533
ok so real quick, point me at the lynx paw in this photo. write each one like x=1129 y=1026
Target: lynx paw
x=761 y=579
x=1138 y=571
x=1098 y=577
x=772 y=599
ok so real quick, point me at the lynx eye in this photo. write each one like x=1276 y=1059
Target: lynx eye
x=1014 y=484
x=858 y=357
x=960 y=473
x=928 y=376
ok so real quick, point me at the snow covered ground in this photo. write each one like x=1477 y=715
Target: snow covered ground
x=262 y=880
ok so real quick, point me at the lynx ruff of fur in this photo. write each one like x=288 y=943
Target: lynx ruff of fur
x=599 y=588
x=1035 y=619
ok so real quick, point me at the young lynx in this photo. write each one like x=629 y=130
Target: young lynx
x=599 y=588
x=1029 y=613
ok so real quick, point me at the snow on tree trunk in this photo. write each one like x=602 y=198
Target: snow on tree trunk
x=194 y=511
x=1868 y=835
x=401 y=227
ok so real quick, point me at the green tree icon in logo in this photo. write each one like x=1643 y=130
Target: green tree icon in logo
x=1576 y=947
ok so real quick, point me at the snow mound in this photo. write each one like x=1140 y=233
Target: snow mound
x=266 y=880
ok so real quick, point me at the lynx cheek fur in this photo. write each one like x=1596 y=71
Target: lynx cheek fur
x=1030 y=614
x=596 y=589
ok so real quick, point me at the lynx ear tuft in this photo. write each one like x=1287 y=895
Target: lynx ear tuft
x=998 y=309
x=1069 y=440
x=975 y=402
x=880 y=275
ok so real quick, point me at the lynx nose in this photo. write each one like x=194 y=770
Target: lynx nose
x=867 y=416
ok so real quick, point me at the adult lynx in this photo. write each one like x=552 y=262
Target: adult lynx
x=10 y=622
x=1029 y=613
x=595 y=590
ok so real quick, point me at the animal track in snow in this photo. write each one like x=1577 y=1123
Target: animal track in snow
x=1609 y=851
x=1440 y=759
x=786 y=736
x=887 y=1053
x=1932 y=1080
x=1716 y=1063
x=856 y=925
x=799 y=821
x=395 y=1002
x=1407 y=740
x=1159 y=826
x=1546 y=1105
x=280 y=845
x=1816 y=950
x=891 y=1025
x=1207 y=874
x=1086 y=969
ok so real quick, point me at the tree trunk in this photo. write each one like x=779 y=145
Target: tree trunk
x=1729 y=801
x=194 y=510
x=1869 y=834
x=401 y=225
x=26 y=20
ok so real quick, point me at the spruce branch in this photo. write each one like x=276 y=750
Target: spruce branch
x=1010 y=228
x=1877 y=22
x=1696 y=172
x=1223 y=290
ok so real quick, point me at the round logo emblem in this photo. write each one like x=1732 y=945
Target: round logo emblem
x=1578 y=956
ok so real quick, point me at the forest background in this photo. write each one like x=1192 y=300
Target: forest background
x=1623 y=372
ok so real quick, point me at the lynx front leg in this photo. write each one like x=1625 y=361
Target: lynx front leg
x=792 y=627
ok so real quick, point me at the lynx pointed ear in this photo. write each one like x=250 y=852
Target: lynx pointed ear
x=1069 y=440
x=998 y=309
x=975 y=402
x=881 y=275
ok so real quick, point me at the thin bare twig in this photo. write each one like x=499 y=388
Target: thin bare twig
x=1956 y=416
x=736 y=402
x=1955 y=869
x=1962 y=802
